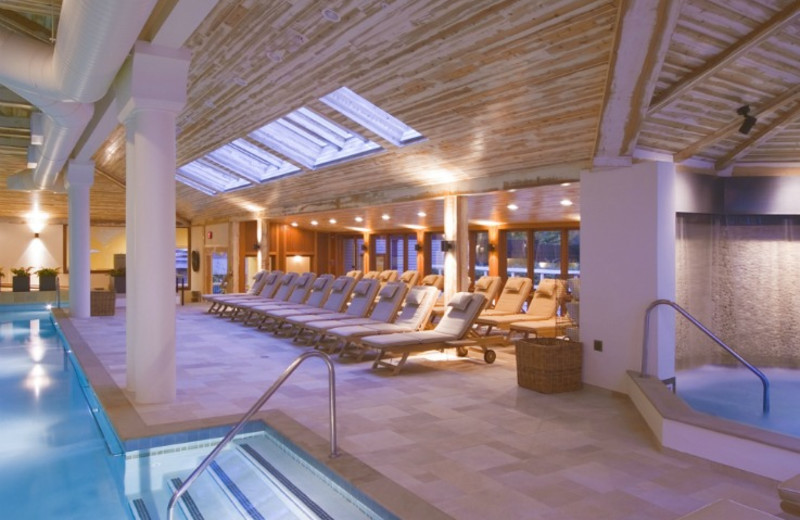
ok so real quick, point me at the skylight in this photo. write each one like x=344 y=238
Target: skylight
x=206 y=174
x=312 y=140
x=250 y=161
x=370 y=116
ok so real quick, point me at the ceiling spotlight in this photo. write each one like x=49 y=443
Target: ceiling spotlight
x=513 y=207
x=565 y=184
x=359 y=219
x=294 y=224
x=332 y=221
x=422 y=214
x=749 y=121
x=566 y=202
x=385 y=216
x=314 y=223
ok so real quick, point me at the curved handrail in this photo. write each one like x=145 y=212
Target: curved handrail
x=256 y=407
x=685 y=314
x=58 y=293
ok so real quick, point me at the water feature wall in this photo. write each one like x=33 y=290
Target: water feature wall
x=740 y=276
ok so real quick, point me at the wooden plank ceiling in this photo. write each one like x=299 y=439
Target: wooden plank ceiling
x=500 y=89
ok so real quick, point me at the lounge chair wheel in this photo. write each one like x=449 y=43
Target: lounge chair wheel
x=462 y=351
x=489 y=356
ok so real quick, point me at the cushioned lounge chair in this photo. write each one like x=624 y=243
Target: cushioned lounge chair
x=452 y=331
x=301 y=288
x=385 y=310
x=363 y=298
x=271 y=285
x=415 y=315
x=410 y=278
x=488 y=286
x=543 y=306
x=356 y=275
x=317 y=296
x=258 y=283
x=341 y=290
x=285 y=288
x=433 y=280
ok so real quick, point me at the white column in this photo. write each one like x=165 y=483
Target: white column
x=152 y=92
x=262 y=232
x=627 y=262
x=456 y=260
x=80 y=177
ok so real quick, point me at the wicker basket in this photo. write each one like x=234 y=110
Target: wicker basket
x=102 y=303
x=549 y=365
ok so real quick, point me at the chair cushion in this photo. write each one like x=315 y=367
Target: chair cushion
x=319 y=284
x=388 y=291
x=514 y=285
x=459 y=301
x=415 y=298
x=287 y=280
x=546 y=287
x=339 y=284
x=302 y=281
x=361 y=288
x=483 y=284
x=271 y=278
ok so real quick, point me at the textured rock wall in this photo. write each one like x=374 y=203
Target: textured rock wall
x=741 y=277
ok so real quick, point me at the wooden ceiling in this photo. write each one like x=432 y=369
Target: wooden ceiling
x=511 y=94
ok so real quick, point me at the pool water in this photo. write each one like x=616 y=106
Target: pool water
x=54 y=461
x=736 y=393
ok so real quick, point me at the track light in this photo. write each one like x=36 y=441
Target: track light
x=749 y=121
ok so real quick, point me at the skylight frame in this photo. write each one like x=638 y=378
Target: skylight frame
x=208 y=174
x=371 y=117
x=247 y=160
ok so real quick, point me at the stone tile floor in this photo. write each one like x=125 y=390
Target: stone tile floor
x=457 y=432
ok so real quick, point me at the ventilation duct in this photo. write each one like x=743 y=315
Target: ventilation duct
x=94 y=38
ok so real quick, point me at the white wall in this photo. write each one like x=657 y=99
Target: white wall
x=19 y=248
x=627 y=261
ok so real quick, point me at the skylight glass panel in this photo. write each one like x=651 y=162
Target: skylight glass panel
x=369 y=116
x=250 y=161
x=206 y=174
x=312 y=140
x=195 y=185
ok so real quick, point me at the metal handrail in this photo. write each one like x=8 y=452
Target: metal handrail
x=256 y=407
x=58 y=293
x=685 y=314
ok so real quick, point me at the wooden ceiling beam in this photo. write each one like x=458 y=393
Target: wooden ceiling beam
x=726 y=57
x=745 y=147
x=644 y=31
x=110 y=177
x=18 y=23
x=769 y=107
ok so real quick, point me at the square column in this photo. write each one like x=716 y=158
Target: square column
x=80 y=177
x=456 y=229
x=627 y=262
x=151 y=92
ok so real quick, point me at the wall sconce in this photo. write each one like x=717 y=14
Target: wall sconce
x=749 y=121
x=36 y=220
x=364 y=248
x=417 y=247
x=36 y=235
x=492 y=247
x=448 y=245
x=256 y=246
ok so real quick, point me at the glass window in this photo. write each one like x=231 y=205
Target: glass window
x=574 y=253
x=517 y=253
x=481 y=254
x=182 y=256
x=397 y=260
x=219 y=270
x=437 y=255
x=360 y=254
x=412 y=252
x=547 y=255
x=349 y=254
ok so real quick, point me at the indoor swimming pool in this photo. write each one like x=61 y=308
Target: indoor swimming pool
x=62 y=460
x=736 y=393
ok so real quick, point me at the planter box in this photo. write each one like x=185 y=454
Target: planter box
x=47 y=283
x=549 y=365
x=102 y=303
x=21 y=283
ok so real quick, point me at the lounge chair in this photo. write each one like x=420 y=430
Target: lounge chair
x=271 y=283
x=301 y=288
x=488 y=286
x=433 y=280
x=258 y=283
x=356 y=275
x=409 y=278
x=363 y=298
x=340 y=292
x=385 y=310
x=414 y=315
x=543 y=306
x=514 y=294
x=452 y=331
x=370 y=275
x=316 y=297
x=387 y=276
x=284 y=290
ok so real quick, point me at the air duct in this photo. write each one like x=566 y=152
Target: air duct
x=94 y=38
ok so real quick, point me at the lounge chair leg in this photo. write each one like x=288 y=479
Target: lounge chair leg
x=400 y=364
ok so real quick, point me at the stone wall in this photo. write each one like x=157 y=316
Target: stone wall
x=740 y=276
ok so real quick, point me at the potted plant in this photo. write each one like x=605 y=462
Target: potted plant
x=47 y=278
x=119 y=280
x=21 y=280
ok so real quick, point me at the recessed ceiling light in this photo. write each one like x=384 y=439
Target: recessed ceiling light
x=331 y=15
x=512 y=190
x=359 y=219
x=422 y=214
x=332 y=221
x=385 y=216
x=513 y=207
x=314 y=223
x=294 y=224
x=566 y=202
x=566 y=184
